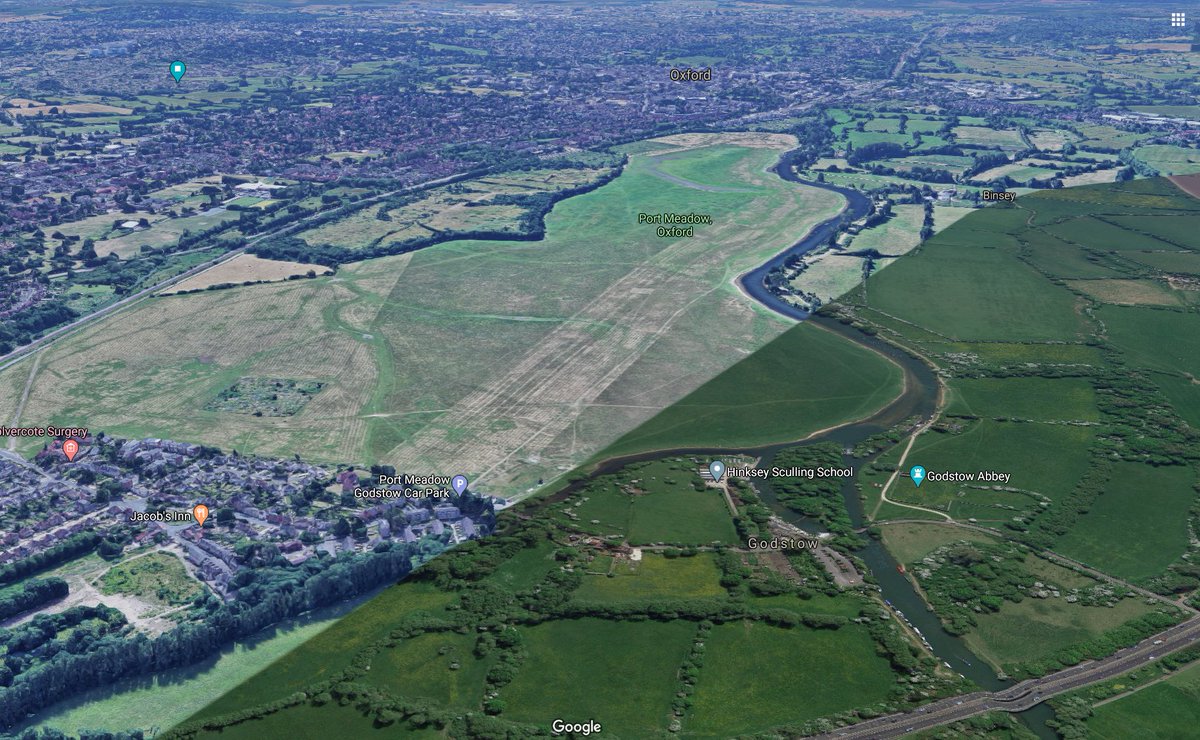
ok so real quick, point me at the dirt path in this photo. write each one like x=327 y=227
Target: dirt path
x=16 y=418
x=896 y=473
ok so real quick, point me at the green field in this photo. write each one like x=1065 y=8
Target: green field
x=157 y=578
x=418 y=351
x=1168 y=709
x=1035 y=628
x=784 y=675
x=630 y=669
x=910 y=542
x=1036 y=399
x=655 y=576
x=1155 y=338
x=810 y=378
x=331 y=649
x=976 y=275
x=654 y=502
x=1015 y=448
x=1138 y=525
x=436 y=666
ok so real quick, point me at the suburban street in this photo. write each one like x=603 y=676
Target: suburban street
x=1028 y=693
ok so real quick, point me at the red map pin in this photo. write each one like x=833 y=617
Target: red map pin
x=70 y=448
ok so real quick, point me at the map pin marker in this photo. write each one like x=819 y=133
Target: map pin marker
x=70 y=448
x=200 y=511
x=917 y=473
x=717 y=468
x=459 y=484
x=178 y=69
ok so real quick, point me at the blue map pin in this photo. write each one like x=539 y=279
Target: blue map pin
x=459 y=484
x=917 y=473
x=717 y=468
x=178 y=69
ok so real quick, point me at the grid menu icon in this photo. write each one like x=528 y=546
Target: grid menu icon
x=1178 y=20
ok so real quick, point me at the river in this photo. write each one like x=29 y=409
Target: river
x=919 y=399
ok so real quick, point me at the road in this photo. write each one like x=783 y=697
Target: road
x=1028 y=693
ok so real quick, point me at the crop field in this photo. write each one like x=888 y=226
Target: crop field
x=818 y=672
x=530 y=378
x=1138 y=525
x=633 y=665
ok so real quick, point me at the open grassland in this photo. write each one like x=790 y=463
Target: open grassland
x=246 y=268
x=1034 y=628
x=655 y=576
x=1131 y=292
x=898 y=235
x=632 y=666
x=1169 y=159
x=1036 y=399
x=653 y=502
x=332 y=649
x=1168 y=709
x=1139 y=524
x=436 y=666
x=1015 y=448
x=467 y=352
x=1184 y=395
x=909 y=542
x=1155 y=338
x=785 y=675
x=810 y=378
x=174 y=695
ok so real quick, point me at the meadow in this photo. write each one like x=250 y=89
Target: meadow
x=1167 y=709
x=786 y=675
x=1139 y=523
x=631 y=666
x=655 y=575
x=588 y=360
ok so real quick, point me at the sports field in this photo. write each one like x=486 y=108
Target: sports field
x=511 y=361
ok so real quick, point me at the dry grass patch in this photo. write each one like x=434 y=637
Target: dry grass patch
x=1128 y=292
x=246 y=268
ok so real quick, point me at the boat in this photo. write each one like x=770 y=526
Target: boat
x=900 y=567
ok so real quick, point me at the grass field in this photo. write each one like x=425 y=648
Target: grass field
x=1037 y=399
x=174 y=695
x=436 y=666
x=977 y=273
x=1168 y=709
x=809 y=377
x=665 y=507
x=157 y=578
x=631 y=668
x=1169 y=159
x=587 y=352
x=1138 y=525
x=909 y=542
x=785 y=675
x=655 y=576
x=246 y=268
x=1034 y=628
x=330 y=650
x=1015 y=448
x=1184 y=395
x=1154 y=338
